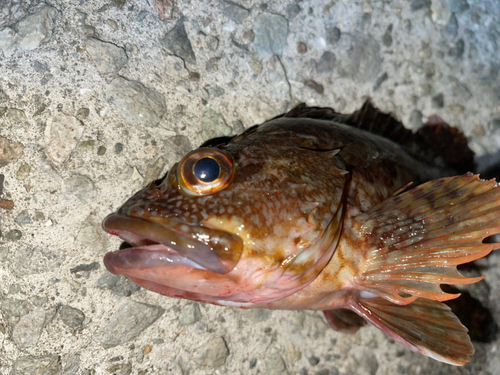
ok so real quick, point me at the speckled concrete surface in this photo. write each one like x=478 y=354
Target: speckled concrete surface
x=97 y=98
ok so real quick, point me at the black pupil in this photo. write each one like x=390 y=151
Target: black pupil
x=206 y=170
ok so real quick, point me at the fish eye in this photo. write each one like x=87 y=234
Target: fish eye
x=204 y=171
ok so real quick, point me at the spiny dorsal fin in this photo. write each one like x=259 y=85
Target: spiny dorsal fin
x=436 y=143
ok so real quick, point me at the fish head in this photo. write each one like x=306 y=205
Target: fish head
x=239 y=224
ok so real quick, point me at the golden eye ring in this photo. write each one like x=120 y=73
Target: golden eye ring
x=204 y=171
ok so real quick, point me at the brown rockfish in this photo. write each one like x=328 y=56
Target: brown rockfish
x=349 y=214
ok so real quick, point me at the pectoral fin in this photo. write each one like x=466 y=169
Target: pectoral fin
x=415 y=240
x=424 y=326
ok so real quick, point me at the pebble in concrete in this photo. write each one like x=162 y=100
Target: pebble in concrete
x=85 y=267
x=129 y=321
x=135 y=103
x=438 y=101
x=177 y=42
x=361 y=362
x=212 y=354
x=256 y=66
x=29 y=33
x=257 y=315
x=441 y=11
x=292 y=10
x=72 y=317
x=29 y=365
x=14 y=309
x=80 y=186
x=107 y=57
x=326 y=63
x=214 y=125
x=237 y=126
x=279 y=87
x=15 y=117
x=27 y=331
x=91 y=233
x=420 y=4
x=72 y=365
x=276 y=365
x=23 y=172
x=271 y=32
x=333 y=35
x=9 y=151
x=4 y=252
x=30 y=261
x=176 y=147
x=23 y=219
x=61 y=136
x=119 y=285
x=120 y=369
x=234 y=12
x=174 y=67
x=359 y=57
x=189 y=314
x=451 y=28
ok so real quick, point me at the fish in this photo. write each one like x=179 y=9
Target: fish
x=350 y=214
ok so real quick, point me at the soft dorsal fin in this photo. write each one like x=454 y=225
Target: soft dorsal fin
x=436 y=143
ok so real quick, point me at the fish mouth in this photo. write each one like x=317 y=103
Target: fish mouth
x=169 y=242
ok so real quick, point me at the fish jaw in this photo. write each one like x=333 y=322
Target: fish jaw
x=216 y=250
x=164 y=258
x=162 y=264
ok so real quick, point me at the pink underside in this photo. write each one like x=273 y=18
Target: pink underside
x=161 y=269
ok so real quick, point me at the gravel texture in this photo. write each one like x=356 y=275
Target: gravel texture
x=98 y=98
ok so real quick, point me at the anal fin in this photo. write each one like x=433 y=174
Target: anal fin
x=415 y=240
x=426 y=327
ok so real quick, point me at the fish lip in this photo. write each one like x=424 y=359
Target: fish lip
x=119 y=261
x=211 y=249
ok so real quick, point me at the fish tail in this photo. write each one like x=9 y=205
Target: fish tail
x=416 y=239
x=426 y=327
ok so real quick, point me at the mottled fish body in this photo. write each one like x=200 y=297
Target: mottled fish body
x=349 y=214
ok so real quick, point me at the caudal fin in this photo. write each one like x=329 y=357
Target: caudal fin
x=416 y=239
x=424 y=326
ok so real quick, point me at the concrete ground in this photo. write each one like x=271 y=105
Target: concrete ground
x=98 y=98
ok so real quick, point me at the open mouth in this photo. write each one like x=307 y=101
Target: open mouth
x=170 y=242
